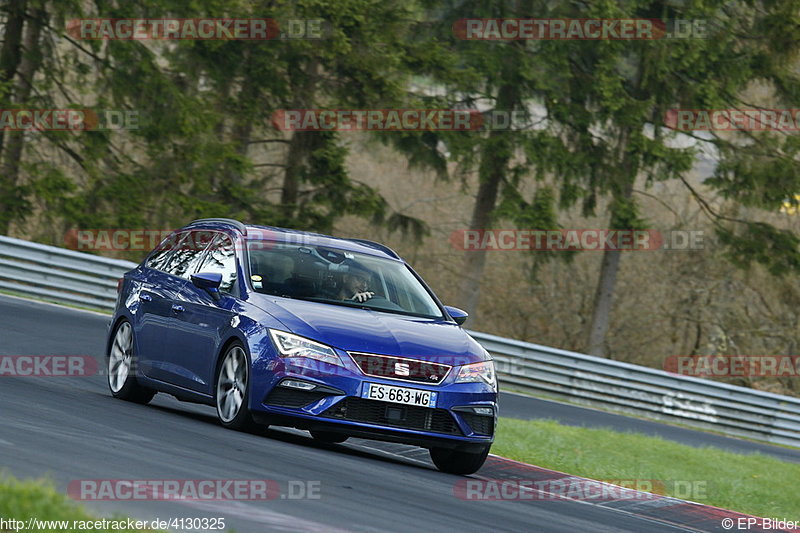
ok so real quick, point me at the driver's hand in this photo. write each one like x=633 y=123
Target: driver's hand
x=362 y=297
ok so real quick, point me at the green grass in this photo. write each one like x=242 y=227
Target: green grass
x=640 y=416
x=753 y=484
x=21 y=500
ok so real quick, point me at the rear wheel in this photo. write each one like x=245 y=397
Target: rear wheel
x=328 y=437
x=458 y=462
x=232 y=390
x=122 y=368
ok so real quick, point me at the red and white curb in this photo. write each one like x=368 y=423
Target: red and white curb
x=665 y=509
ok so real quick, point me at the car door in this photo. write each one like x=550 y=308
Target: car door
x=167 y=282
x=202 y=320
x=152 y=319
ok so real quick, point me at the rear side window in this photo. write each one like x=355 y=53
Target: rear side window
x=221 y=258
x=188 y=253
x=158 y=258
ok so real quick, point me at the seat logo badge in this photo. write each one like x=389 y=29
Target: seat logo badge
x=401 y=369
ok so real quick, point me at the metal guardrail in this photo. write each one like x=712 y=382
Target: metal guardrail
x=643 y=391
x=82 y=279
x=53 y=273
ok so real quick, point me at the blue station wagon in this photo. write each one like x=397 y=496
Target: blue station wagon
x=273 y=326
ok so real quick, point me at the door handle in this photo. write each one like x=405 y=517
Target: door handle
x=145 y=297
x=177 y=308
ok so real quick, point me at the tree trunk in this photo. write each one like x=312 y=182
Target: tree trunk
x=232 y=180
x=13 y=62
x=482 y=211
x=296 y=159
x=493 y=167
x=241 y=130
x=301 y=145
x=604 y=293
x=603 y=298
x=10 y=53
x=29 y=64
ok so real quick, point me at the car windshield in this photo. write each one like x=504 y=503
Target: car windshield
x=338 y=277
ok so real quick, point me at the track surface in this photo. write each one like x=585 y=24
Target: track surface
x=70 y=429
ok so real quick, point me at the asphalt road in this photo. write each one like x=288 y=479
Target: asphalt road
x=70 y=429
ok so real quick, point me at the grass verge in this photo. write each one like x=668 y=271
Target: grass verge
x=23 y=500
x=637 y=416
x=753 y=484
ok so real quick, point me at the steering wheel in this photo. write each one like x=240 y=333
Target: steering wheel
x=383 y=303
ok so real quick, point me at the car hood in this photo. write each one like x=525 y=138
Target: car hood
x=363 y=330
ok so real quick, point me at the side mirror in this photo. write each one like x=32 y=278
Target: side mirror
x=208 y=281
x=456 y=314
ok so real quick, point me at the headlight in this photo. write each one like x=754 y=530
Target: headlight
x=290 y=345
x=478 y=372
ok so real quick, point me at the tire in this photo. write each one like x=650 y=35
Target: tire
x=232 y=391
x=458 y=462
x=328 y=437
x=122 y=368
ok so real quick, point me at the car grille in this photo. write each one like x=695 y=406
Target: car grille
x=387 y=366
x=480 y=424
x=394 y=414
x=286 y=397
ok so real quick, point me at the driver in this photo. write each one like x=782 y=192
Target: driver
x=355 y=284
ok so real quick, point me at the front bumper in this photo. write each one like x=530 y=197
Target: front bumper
x=336 y=405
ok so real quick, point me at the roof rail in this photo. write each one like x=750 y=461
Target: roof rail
x=377 y=245
x=235 y=223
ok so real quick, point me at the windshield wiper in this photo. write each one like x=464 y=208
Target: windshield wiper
x=357 y=305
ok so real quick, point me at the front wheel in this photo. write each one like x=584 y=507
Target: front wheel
x=458 y=462
x=122 y=368
x=232 y=391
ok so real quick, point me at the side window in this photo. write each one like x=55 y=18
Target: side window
x=188 y=253
x=221 y=258
x=158 y=258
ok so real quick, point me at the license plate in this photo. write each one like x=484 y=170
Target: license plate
x=404 y=395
